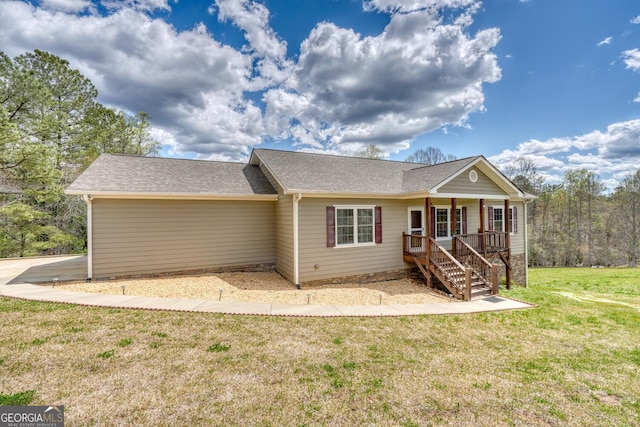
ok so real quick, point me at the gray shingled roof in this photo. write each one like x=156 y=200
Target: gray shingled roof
x=294 y=171
x=427 y=177
x=143 y=175
x=321 y=173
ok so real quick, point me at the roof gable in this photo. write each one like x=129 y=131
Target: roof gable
x=489 y=173
x=428 y=177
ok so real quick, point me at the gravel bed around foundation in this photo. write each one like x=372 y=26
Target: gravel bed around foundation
x=265 y=288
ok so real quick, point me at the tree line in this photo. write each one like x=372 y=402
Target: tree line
x=51 y=128
x=577 y=223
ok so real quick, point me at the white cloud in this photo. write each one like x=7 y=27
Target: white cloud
x=605 y=41
x=637 y=98
x=406 y=6
x=70 y=6
x=342 y=91
x=611 y=154
x=137 y=5
x=632 y=59
x=636 y=20
x=416 y=76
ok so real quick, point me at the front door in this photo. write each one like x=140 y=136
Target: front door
x=417 y=227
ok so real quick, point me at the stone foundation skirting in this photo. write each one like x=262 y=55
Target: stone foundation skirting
x=518 y=270
x=384 y=276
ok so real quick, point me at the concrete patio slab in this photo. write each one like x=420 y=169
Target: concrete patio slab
x=367 y=310
x=305 y=310
x=227 y=307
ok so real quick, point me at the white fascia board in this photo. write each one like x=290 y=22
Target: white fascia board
x=330 y=195
x=470 y=196
x=171 y=196
x=395 y=196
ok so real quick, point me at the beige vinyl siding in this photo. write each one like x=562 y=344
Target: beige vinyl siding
x=151 y=236
x=284 y=236
x=347 y=261
x=462 y=185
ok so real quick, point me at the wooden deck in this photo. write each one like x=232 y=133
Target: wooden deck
x=464 y=270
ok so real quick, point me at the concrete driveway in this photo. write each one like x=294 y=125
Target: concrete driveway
x=42 y=269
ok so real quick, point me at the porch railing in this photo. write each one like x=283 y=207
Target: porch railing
x=489 y=241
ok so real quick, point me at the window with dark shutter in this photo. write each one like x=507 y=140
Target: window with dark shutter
x=331 y=226
x=378 y=220
x=464 y=220
x=490 y=215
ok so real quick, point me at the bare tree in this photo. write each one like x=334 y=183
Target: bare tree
x=372 y=151
x=524 y=173
x=627 y=217
x=430 y=156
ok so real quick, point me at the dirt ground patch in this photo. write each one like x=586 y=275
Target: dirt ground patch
x=265 y=288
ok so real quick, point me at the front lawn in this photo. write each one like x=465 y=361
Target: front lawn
x=574 y=360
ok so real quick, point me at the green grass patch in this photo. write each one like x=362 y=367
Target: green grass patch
x=124 y=342
x=107 y=354
x=573 y=360
x=22 y=398
x=217 y=348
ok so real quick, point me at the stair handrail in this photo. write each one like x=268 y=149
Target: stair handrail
x=447 y=253
x=463 y=288
x=480 y=264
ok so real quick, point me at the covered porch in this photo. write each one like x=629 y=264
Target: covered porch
x=463 y=262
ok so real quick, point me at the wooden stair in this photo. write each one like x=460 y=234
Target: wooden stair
x=460 y=278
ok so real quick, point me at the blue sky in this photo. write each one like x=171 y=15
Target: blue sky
x=544 y=79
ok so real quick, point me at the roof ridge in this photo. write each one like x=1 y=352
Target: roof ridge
x=136 y=156
x=332 y=155
x=423 y=165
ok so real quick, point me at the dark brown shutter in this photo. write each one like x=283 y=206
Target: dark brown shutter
x=378 y=222
x=515 y=220
x=490 y=210
x=433 y=222
x=331 y=226
x=464 y=219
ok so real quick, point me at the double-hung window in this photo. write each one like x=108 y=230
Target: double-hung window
x=442 y=222
x=497 y=219
x=354 y=225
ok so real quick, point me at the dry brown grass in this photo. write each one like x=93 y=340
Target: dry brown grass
x=265 y=288
x=567 y=362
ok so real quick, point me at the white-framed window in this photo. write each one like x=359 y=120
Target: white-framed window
x=354 y=225
x=497 y=219
x=442 y=221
